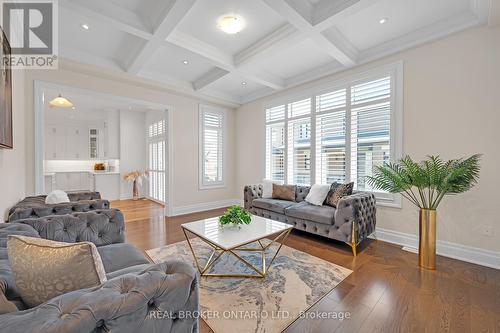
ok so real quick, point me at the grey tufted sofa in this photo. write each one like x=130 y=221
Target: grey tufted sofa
x=33 y=207
x=351 y=222
x=138 y=297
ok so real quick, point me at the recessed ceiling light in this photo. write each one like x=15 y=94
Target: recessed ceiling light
x=185 y=62
x=85 y=26
x=383 y=20
x=231 y=24
x=244 y=83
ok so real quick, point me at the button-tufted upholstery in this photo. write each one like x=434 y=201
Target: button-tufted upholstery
x=359 y=208
x=138 y=296
x=101 y=227
x=33 y=207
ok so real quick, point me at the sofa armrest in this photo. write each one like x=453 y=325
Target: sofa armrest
x=160 y=298
x=359 y=208
x=101 y=227
x=250 y=193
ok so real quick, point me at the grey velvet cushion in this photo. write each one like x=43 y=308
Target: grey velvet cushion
x=118 y=256
x=274 y=205
x=306 y=211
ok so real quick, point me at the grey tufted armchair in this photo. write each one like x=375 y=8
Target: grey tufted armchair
x=138 y=296
x=351 y=222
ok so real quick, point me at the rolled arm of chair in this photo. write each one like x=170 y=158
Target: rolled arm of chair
x=101 y=227
x=360 y=209
x=250 y=193
x=157 y=299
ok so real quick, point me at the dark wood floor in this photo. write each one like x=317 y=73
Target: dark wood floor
x=387 y=292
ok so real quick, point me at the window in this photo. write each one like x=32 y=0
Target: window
x=353 y=128
x=156 y=134
x=212 y=147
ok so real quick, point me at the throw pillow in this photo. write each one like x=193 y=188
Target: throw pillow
x=339 y=191
x=43 y=269
x=6 y=306
x=56 y=197
x=267 y=187
x=284 y=192
x=317 y=194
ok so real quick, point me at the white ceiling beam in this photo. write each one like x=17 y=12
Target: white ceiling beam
x=327 y=12
x=275 y=42
x=170 y=20
x=215 y=55
x=264 y=78
x=223 y=60
x=208 y=78
x=111 y=15
x=295 y=18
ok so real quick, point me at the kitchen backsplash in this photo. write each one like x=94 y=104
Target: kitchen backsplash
x=78 y=165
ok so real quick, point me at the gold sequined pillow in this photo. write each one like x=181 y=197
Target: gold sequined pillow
x=43 y=269
x=284 y=192
x=337 y=192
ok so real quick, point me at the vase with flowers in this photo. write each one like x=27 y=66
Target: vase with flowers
x=136 y=177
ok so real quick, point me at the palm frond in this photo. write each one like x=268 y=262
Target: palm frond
x=433 y=178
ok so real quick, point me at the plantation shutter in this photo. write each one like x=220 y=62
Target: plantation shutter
x=275 y=151
x=213 y=147
x=370 y=128
x=299 y=143
x=331 y=137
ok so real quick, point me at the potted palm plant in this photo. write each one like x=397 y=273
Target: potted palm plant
x=425 y=184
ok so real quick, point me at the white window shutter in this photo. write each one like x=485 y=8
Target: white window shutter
x=212 y=146
x=370 y=129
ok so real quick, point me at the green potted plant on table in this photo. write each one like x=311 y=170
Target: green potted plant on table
x=425 y=184
x=235 y=215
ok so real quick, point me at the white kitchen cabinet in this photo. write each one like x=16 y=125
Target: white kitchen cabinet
x=72 y=142
x=73 y=181
x=108 y=184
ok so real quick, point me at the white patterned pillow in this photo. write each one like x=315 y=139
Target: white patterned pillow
x=317 y=194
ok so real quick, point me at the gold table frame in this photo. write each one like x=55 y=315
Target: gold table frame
x=215 y=254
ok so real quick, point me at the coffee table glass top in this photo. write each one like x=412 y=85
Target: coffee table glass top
x=230 y=237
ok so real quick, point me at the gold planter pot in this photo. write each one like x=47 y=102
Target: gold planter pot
x=427 y=240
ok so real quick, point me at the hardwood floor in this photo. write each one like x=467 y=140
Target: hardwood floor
x=386 y=292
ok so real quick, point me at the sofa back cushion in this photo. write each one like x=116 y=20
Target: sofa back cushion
x=284 y=192
x=44 y=269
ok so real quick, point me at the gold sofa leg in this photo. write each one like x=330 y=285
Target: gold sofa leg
x=353 y=239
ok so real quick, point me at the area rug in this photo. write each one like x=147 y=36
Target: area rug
x=295 y=282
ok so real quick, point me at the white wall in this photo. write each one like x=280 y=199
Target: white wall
x=451 y=108
x=132 y=149
x=12 y=162
x=184 y=130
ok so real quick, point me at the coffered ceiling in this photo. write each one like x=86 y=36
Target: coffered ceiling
x=285 y=42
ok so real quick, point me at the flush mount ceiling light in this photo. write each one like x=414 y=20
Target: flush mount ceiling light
x=244 y=83
x=185 y=62
x=85 y=26
x=231 y=24
x=383 y=20
x=60 y=102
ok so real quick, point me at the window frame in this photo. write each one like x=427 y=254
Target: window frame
x=202 y=183
x=395 y=71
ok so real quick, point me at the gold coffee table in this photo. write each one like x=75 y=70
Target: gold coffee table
x=231 y=240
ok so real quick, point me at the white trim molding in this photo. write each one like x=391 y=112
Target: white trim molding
x=466 y=253
x=181 y=210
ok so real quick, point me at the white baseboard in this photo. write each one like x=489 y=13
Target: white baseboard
x=181 y=210
x=446 y=249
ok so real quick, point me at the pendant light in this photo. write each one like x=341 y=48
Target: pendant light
x=60 y=102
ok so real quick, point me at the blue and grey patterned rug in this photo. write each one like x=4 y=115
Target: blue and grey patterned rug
x=295 y=281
